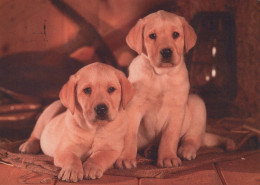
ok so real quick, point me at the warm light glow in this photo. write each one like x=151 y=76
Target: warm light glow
x=207 y=78
x=213 y=73
x=214 y=51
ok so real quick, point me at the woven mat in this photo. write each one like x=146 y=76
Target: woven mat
x=247 y=142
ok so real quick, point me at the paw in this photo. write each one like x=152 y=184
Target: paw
x=187 y=152
x=92 y=171
x=127 y=163
x=126 y=160
x=30 y=146
x=71 y=174
x=169 y=162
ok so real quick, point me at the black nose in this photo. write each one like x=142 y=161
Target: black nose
x=166 y=52
x=101 y=110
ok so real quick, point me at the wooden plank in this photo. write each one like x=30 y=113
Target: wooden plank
x=107 y=179
x=204 y=175
x=12 y=176
x=243 y=171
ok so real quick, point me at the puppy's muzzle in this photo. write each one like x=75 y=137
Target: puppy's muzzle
x=166 y=53
x=101 y=111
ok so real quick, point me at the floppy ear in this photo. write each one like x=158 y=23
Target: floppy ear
x=134 y=38
x=67 y=94
x=127 y=89
x=190 y=36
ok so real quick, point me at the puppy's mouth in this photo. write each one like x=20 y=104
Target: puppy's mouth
x=166 y=62
x=102 y=118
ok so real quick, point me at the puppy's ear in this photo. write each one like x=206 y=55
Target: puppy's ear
x=190 y=36
x=127 y=89
x=134 y=39
x=67 y=94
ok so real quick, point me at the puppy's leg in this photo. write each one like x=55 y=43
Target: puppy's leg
x=167 y=152
x=189 y=147
x=32 y=145
x=191 y=142
x=71 y=166
x=127 y=158
x=98 y=163
x=195 y=117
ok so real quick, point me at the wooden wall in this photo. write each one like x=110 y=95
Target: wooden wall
x=32 y=25
x=37 y=25
x=247 y=20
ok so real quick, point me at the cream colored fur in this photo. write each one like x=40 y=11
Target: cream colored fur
x=83 y=144
x=162 y=110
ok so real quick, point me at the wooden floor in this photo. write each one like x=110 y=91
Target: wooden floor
x=243 y=171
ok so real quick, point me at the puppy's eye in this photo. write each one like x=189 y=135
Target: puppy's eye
x=87 y=90
x=111 y=90
x=152 y=36
x=175 y=35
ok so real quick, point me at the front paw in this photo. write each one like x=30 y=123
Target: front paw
x=71 y=173
x=169 y=162
x=127 y=159
x=127 y=163
x=31 y=146
x=187 y=152
x=92 y=171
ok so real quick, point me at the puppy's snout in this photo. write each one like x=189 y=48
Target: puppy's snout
x=166 y=52
x=101 y=110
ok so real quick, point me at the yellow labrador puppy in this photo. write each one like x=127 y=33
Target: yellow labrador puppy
x=162 y=109
x=88 y=123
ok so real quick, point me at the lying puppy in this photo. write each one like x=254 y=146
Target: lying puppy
x=162 y=110
x=92 y=128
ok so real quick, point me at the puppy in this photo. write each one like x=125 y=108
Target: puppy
x=87 y=124
x=162 y=110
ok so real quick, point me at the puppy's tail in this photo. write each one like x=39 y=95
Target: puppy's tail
x=211 y=140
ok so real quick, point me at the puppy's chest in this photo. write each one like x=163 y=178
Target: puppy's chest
x=160 y=98
x=156 y=116
x=159 y=91
x=158 y=111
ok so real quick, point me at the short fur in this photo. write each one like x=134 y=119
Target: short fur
x=70 y=130
x=162 y=110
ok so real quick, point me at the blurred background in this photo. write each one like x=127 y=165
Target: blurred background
x=42 y=42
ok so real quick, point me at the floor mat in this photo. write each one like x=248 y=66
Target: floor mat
x=247 y=142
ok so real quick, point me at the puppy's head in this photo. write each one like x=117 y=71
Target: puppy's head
x=97 y=92
x=164 y=37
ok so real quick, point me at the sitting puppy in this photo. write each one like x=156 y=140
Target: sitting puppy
x=162 y=110
x=88 y=123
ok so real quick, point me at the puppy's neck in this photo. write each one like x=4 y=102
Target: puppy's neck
x=178 y=68
x=80 y=121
